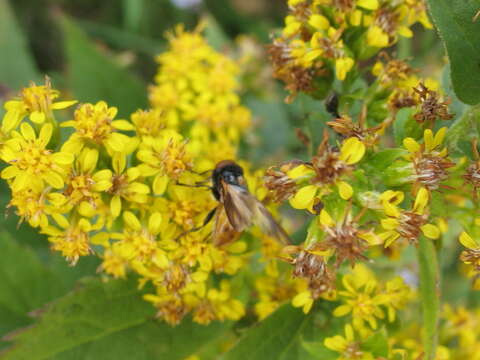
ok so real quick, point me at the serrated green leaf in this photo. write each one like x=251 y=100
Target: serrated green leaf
x=277 y=337
x=17 y=67
x=463 y=130
x=429 y=295
x=92 y=76
x=461 y=35
x=107 y=320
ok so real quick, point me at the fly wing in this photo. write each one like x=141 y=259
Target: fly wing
x=264 y=219
x=243 y=209
x=239 y=206
x=223 y=232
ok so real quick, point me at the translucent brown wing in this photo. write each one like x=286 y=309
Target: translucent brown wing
x=243 y=210
x=223 y=231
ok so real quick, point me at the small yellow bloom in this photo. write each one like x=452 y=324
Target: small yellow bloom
x=376 y=37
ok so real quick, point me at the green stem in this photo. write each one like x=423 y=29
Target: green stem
x=429 y=294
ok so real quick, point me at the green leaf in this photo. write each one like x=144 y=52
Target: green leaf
x=377 y=344
x=382 y=159
x=92 y=76
x=17 y=67
x=277 y=337
x=405 y=126
x=319 y=351
x=461 y=35
x=107 y=321
x=26 y=283
x=463 y=130
x=429 y=295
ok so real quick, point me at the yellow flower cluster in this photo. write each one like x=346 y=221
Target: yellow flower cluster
x=115 y=187
x=322 y=37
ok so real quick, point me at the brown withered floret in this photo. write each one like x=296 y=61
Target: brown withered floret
x=343 y=5
x=401 y=99
x=472 y=174
x=280 y=185
x=295 y=77
x=345 y=241
x=471 y=256
x=327 y=165
x=312 y=267
x=431 y=106
x=431 y=169
x=387 y=20
x=395 y=69
x=347 y=128
x=410 y=225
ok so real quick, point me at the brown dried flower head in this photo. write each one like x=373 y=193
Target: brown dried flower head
x=431 y=106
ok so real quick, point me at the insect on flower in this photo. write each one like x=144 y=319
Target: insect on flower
x=238 y=208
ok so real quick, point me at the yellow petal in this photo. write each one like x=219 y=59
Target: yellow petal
x=342 y=67
x=345 y=190
x=368 y=4
x=352 y=151
x=46 y=133
x=467 y=241
x=411 y=145
x=155 y=223
x=376 y=37
x=37 y=117
x=27 y=131
x=131 y=220
x=421 y=201
x=115 y=206
x=160 y=184
x=326 y=219
x=389 y=223
x=342 y=310
x=304 y=197
x=430 y=231
x=319 y=22
x=404 y=31
x=53 y=179
x=336 y=343
x=439 y=136
x=428 y=139
x=63 y=158
x=300 y=171
x=63 y=104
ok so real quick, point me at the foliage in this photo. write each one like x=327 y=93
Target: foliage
x=377 y=186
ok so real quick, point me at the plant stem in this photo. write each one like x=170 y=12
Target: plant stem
x=429 y=294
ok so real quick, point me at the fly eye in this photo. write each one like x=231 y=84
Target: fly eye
x=229 y=177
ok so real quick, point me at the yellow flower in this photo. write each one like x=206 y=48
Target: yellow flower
x=95 y=125
x=303 y=300
x=31 y=163
x=73 y=240
x=342 y=66
x=125 y=185
x=347 y=346
x=406 y=224
x=84 y=183
x=35 y=101
x=361 y=298
x=165 y=157
x=376 y=37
